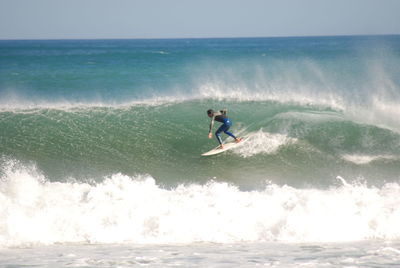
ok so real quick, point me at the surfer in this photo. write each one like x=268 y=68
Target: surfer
x=226 y=124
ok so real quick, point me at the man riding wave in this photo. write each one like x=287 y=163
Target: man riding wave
x=226 y=124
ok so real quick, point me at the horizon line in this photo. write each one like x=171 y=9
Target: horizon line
x=183 y=38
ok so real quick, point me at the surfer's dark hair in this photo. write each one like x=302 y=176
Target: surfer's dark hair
x=210 y=111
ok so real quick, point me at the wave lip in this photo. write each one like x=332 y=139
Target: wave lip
x=278 y=93
x=136 y=210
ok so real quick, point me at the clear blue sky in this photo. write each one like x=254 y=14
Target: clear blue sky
x=64 y=19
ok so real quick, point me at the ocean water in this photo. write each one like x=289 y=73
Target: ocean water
x=100 y=144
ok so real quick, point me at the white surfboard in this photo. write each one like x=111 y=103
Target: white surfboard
x=227 y=146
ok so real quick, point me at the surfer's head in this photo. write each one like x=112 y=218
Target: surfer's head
x=210 y=112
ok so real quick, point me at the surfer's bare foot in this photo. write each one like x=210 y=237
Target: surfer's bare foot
x=221 y=146
x=238 y=139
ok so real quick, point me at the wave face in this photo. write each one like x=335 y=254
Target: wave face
x=101 y=127
x=286 y=144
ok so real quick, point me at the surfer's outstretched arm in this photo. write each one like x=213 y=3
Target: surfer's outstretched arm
x=211 y=126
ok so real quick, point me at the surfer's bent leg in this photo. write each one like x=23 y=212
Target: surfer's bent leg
x=218 y=133
x=228 y=124
x=230 y=134
x=224 y=128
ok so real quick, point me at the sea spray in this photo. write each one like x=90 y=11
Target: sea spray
x=262 y=142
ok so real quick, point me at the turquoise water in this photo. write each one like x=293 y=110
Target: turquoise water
x=91 y=108
x=288 y=144
x=101 y=140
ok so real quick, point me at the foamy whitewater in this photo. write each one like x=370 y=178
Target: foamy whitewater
x=100 y=148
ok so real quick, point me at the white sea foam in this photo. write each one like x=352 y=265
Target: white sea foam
x=262 y=142
x=365 y=159
x=137 y=210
